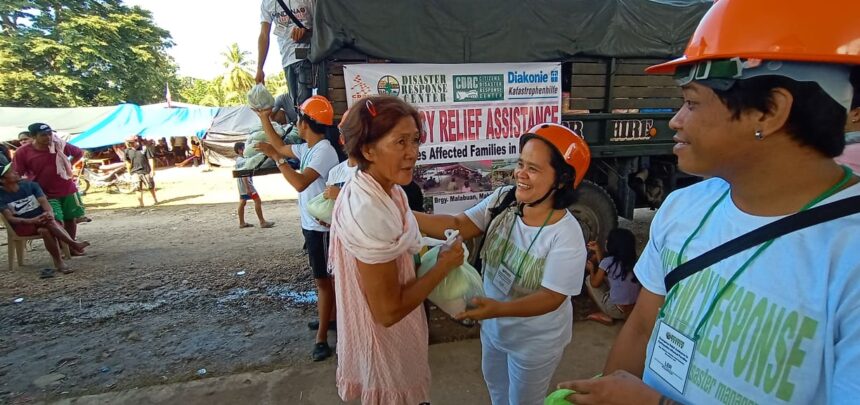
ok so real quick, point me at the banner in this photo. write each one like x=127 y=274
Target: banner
x=471 y=112
x=473 y=116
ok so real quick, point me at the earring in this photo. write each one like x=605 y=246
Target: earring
x=758 y=135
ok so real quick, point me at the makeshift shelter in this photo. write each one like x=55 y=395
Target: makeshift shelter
x=149 y=121
x=230 y=125
x=68 y=122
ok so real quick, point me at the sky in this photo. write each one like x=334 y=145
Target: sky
x=202 y=30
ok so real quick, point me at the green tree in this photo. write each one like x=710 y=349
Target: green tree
x=217 y=96
x=238 y=78
x=277 y=84
x=83 y=52
x=192 y=90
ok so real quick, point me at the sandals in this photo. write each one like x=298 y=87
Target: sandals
x=246 y=225
x=267 y=224
x=600 y=317
x=46 y=273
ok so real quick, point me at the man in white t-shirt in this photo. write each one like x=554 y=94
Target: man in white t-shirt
x=316 y=158
x=762 y=120
x=273 y=19
x=343 y=171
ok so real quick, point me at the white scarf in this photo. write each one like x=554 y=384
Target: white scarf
x=64 y=167
x=373 y=226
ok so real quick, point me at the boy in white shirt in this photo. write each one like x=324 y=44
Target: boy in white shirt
x=316 y=158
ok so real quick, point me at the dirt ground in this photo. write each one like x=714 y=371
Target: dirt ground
x=170 y=293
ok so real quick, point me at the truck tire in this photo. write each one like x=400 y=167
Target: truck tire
x=595 y=211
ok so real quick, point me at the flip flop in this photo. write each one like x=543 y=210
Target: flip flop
x=246 y=226
x=267 y=224
x=67 y=270
x=47 y=273
x=600 y=317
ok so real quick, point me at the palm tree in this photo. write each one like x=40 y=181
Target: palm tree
x=215 y=95
x=277 y=84
x=238 y=77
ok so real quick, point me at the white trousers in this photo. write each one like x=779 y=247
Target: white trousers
x=515 y=379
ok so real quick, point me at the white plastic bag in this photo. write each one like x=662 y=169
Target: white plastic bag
x=259 y=98
x=321 y=208
x=258 y=135
x=454 y=294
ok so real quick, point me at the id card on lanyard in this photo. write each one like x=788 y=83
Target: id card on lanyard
x=280 y=29
x=504 y=279
x=672 y=356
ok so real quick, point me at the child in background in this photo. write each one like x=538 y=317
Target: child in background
x=248 y=192
x=610 y=281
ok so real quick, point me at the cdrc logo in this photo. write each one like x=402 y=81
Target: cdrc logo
x=359 y=88
x=388 y=85
x=479 y=88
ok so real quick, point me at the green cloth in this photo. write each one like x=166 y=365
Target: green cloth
x=68 y=207
x=558 y=397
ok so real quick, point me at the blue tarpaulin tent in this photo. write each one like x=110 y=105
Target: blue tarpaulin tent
x=150 y=121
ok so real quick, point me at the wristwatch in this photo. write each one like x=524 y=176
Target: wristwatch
x=283 y=161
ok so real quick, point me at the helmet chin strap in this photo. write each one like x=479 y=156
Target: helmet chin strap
x=521 y=206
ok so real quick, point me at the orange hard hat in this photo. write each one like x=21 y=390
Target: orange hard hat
x=572 y=147
x=778 y=30
x=319 y=109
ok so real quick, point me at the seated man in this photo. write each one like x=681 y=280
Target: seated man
x=28 y=211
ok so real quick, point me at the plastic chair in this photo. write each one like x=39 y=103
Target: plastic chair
x=15 y=245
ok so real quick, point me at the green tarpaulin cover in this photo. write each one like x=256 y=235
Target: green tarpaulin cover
x=484 y=31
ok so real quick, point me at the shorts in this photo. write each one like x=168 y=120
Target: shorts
x=28 y=229
x=247 y=197
x=67 y=208
x=144 y=181
x=317 y=244
x=601 y=298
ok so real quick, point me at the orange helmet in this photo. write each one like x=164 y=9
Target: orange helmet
x=572 y=147
x=319 y=109
x=799 y=39
x=785 y=30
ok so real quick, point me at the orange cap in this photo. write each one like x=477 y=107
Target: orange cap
x=319 y=109
x=784 y=30
x=572 y=147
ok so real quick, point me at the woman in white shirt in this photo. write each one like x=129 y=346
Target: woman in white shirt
x=533 y=260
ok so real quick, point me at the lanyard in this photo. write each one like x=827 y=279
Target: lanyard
x=508 y=240
x=306 y=159
x=671 y=294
